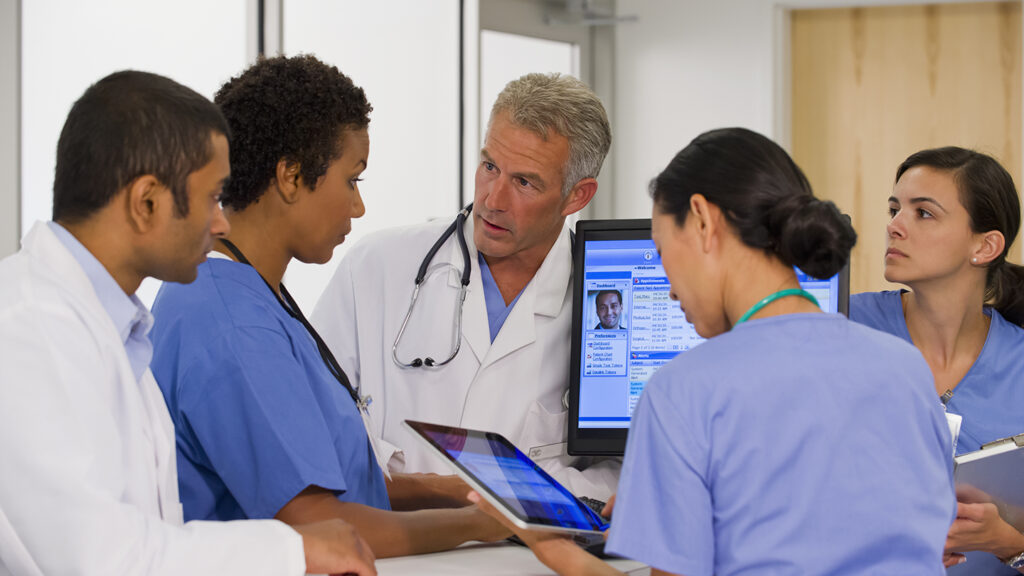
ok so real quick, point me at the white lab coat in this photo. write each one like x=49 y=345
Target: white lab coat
x=513 y=386
x=88 y=476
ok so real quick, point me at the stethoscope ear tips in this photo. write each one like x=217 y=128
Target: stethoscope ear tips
x=417 y=363
x=429 y=361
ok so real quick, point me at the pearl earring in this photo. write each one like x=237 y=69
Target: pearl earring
x=974 y=260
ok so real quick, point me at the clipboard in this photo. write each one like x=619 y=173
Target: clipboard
x=995 y=473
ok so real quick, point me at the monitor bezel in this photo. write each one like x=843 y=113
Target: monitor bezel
x=612 y=441
x=593 y=441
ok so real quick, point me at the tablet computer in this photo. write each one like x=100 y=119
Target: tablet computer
x=510 y=481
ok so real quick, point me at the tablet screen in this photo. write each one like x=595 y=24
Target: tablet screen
x=508 y=475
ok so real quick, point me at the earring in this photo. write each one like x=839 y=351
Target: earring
x=974 y=260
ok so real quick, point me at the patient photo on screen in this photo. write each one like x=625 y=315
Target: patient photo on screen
x=607 y=309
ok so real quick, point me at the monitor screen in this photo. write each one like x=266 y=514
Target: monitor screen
x=625 y=327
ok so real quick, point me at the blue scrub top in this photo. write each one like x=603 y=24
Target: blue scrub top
x=989 y=397
x=257 y=415
x=796 y=444
x=497 y=311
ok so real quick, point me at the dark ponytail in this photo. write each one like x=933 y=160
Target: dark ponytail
x=763 y=195
x=1005 y=291
x=990 y=197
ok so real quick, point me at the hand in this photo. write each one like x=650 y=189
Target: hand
x=979 y=527
x=455 y=489
x=334 y=547
x=608 y=507
x=556 y=551
x=487 y=527
x=951 y=559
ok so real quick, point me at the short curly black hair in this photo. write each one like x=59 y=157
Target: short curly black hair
x=294 y=108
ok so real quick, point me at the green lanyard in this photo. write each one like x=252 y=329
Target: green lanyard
x=772 y=298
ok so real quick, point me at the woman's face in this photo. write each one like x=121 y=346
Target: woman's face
x=929 y=231
x=686 y=266
x=324 y=214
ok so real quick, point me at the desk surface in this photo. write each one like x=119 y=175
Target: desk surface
x=501 y=559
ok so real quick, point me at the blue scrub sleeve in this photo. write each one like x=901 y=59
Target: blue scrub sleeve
x=257 y=421
x=663 y=511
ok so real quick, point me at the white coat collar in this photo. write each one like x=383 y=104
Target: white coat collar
x=544 y=295
x=43 y=246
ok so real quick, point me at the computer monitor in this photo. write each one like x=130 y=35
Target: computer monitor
x=625 y=326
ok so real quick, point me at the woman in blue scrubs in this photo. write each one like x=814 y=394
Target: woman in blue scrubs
x=791 y=441
x=954 y=214
x=267 y=423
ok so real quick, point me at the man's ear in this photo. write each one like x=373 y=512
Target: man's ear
x=287 y=180
x=580 y=195
x=146 y=198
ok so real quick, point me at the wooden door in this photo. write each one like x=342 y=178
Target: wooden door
x=870 y=86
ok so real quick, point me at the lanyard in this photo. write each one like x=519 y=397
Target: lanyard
x=292 y=308
x=772 y=298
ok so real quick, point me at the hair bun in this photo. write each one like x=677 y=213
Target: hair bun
x=764 y=196
x=812 y=234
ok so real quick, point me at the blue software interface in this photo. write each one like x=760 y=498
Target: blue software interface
x=631 y=327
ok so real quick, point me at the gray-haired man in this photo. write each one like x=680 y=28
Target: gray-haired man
x=546 y=140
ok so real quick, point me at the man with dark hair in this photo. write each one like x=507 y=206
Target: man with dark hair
x=116 y=126
x=89 y=482
x=609 y=310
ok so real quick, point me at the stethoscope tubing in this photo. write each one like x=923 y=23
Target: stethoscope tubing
x=458 y=228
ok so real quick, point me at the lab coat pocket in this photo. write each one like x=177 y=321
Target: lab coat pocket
x=544 y=433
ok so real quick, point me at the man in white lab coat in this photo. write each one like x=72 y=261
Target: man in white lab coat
x=546 y=140
x=88 y=480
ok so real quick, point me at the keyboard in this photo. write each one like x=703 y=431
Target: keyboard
x=594 y=504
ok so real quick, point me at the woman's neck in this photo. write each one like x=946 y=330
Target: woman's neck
x=256 y=237
x=947 y=324
x=762 y=276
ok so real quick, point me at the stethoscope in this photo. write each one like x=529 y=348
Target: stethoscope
x=457 y=228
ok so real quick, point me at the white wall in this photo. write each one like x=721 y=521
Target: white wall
x=405 y=55
x=687 y=66
x=66 y=45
